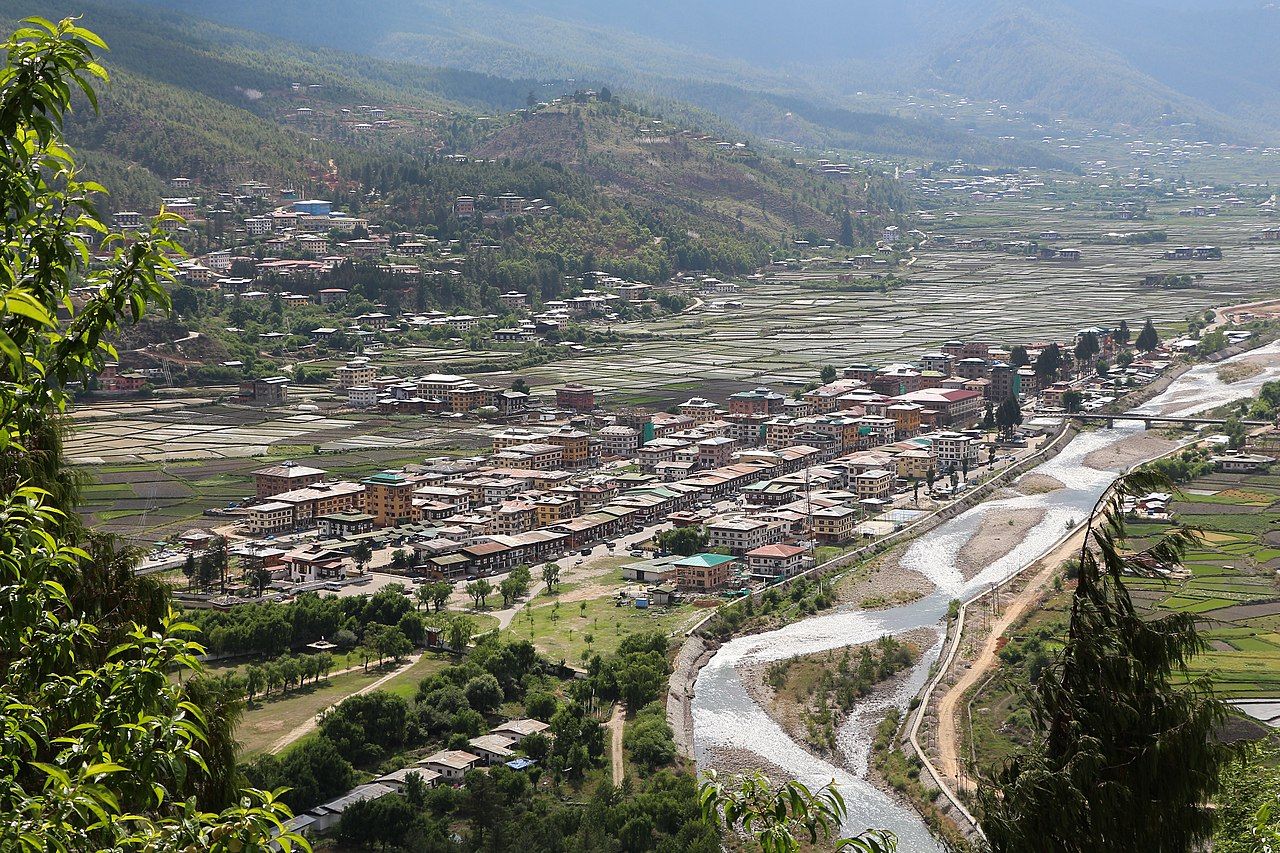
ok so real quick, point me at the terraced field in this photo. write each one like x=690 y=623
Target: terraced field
x=1233 y=586
x=786 y=329
x=148 y=501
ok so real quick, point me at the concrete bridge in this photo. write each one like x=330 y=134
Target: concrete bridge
x=1161 y=420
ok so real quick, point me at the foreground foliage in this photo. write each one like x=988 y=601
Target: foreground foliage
x=781 y=818
x=101 y=751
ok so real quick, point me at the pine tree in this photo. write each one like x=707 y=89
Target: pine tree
x=846 y=229
x=1125 y=757
x=1008 y=415
x=1148 y=338
x=1122 y=334
x=1048 y=363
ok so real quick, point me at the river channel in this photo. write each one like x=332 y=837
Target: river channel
x=726 y=717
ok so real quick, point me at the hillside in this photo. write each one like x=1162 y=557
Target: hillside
x=650 y=163
x=1139 y=63
x=799 y=102
x=192 y=98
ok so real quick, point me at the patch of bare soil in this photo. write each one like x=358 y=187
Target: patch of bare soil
x=1129 y=452
x=731 y=761
x=881 y=584
x=999 y=534
x=1037 y=484
x=1238 y=371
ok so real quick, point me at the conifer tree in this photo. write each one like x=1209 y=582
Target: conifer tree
x=1125 y=757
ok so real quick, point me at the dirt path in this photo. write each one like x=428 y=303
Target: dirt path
x=615 y=726
x=948 y=706
x=310 y=725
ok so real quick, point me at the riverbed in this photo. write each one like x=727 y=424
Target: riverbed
x=726 y=718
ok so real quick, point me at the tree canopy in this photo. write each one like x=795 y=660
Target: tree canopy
x=102 y=750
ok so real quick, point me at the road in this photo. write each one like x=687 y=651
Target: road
x=949 y=763
x=615 y=725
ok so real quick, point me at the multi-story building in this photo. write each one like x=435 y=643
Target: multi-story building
x=513 y=517
x=740 y=535
x=659 y=450
x=896 y=379
x=834 y=524
x=906 y=417
x=700 y=410
x=703 y=573
x=269 y=517
x=952 y=448
x=715 y=452
x=662 y=425
x=345 y=524
x=915 y=463
x=550 y=509
x=438 y=385
x=320 y=499
x=775 y=561
x=284 y=477
x=356 y=372
x=936 y=362
x=362 y=396
x=877 y=484
x=759 y=401
x=468 y=398
x=619 y=441
x=389 y=497
x=955 y=406
x=971 y=368
x=577 y=397
x=537 y=456
x=272 y=391
x=511 y=404
x=514 y=300
x=577 y=447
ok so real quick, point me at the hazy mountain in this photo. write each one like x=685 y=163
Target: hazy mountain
x=1146 y=63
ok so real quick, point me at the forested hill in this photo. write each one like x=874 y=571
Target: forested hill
x=649 y=162
x=191 y=98
x=624 y=191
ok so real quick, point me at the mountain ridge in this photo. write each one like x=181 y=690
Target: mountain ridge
x=1074 y=57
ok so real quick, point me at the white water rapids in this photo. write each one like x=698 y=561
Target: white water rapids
x=726 y=717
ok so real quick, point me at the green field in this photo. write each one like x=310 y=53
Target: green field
x=1231 y=589
x=569 y=630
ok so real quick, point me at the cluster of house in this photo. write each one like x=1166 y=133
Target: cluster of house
x=366 y=387
x=540 y=494
x=823 y=467
x=446 y=767
x=361 y=119
x=465 y=517
x=494 y=209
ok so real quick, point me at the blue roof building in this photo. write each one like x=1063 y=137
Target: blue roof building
x=313 y=207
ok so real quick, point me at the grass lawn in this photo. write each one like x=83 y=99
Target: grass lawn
x=265 y=722
x=406 y=683
x=561 y=632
